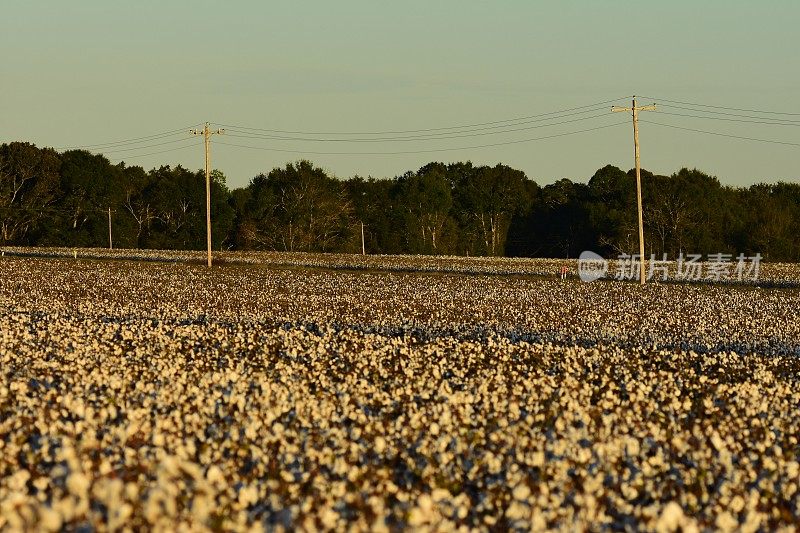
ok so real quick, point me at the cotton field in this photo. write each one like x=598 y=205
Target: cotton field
x=285 y=392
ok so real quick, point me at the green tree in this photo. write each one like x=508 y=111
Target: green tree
x=773 y=220
x=89 y=185
x=612 y=211
x=426 y=199
x=296 y=208
x=29 y=179
x=490 y=197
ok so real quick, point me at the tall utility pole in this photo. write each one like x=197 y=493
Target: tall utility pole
x=635 y=112
x=363 y=248
x=207 y=133
x=110 y=240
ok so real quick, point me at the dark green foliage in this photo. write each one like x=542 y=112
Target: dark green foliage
x=53 y=199
x=296 y=208
x=28 y=191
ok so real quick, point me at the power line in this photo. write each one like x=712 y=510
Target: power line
x=135 y=140
x=144 y=147
x=138 y=156
x=745 y=121
x=443 y=135
x=413 y=138
x=423 y=130
x=718 y=134
x=723 y=107
x=787 y=120
x=426 y=151
x=497 y=127
x=459 y=131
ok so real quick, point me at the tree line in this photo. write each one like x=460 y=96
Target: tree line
x=49 y=198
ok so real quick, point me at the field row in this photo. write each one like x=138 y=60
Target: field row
x=169 y=396
x=709 y=269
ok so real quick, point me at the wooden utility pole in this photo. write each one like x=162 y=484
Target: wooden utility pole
x=110 y=240
x=207 y=133
x=363 y=248
x=635 y=112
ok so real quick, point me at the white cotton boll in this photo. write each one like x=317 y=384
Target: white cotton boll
x=670 y=519
x=793 y=469
x=737 y=504
x=248 y=496
x=726 y=522
x=521 y=492
x=215 y=476
x=517 y=511
x=18 y=480
x=49 y=519
x=329 y=518
x=78 y=484
x=538 y=459
x=380 y=444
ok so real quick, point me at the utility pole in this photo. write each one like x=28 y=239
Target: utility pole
x=207 y=133
x=110 y=240
x=363 y=249
x=635 y=112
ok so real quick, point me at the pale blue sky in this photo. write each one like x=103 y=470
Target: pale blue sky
x=92 y=71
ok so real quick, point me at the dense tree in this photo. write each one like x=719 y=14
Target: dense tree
x=425 y=198
x=611 y=211
x=53 y=199
x=488 y=198
x=28 y=189
x=559 y=224
x=375 y=206
x=296 y=208
x=773 y=219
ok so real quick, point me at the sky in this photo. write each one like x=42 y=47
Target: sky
x=129 y=79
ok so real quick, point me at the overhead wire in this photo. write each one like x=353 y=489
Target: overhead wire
x=135 y=140
x=726 y=114
x=422 y=130
x=722 y=107
x=424 y=151
x=445 y=135
x=702 y=111
x=726 y=119
x=719 y=134
x=176 y=149
x=476 y=129
x=570 y=115
x=194 y=141
x=413 y=138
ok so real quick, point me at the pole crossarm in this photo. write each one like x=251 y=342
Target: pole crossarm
x=218 y=131
x=618 y=109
